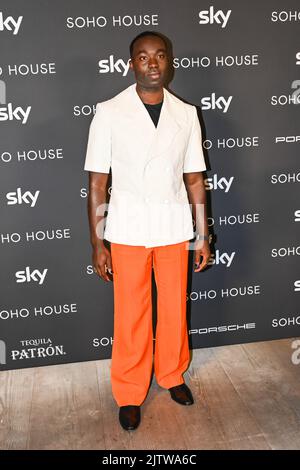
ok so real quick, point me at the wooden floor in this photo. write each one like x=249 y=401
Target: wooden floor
x=246 y=397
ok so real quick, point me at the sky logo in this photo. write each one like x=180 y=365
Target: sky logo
x=10 y=23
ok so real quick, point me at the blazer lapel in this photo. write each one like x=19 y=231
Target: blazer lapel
x=155 y=140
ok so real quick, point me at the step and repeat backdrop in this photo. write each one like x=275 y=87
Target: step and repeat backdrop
x=239 y=63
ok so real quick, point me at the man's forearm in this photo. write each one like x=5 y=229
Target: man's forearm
x=96 y=210
x=197 y=198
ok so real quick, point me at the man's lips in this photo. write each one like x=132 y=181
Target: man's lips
x=154 y=74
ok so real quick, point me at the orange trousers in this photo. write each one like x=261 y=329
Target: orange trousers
x=132 y=350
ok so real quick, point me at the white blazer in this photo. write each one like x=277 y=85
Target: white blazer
x=149 y=204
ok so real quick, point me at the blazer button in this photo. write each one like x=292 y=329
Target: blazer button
x=166 y=201
x=147 y=199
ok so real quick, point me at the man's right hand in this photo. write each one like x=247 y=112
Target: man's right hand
x=97 y=196
x=102 y=262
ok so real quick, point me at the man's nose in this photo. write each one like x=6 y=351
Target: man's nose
x=153 y=63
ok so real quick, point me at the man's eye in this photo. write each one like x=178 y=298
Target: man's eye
x=161 y=55
x=142 y=57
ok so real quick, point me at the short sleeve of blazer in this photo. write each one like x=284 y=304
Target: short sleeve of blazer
x=98 y=152
x=194 y=157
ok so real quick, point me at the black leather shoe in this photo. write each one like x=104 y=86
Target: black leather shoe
x=130 y=416
x=182 y=394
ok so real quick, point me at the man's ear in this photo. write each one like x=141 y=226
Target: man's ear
x=130 y=63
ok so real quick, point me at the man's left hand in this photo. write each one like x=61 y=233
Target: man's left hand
x=203 y=251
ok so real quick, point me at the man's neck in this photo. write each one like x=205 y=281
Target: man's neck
x=153 y=96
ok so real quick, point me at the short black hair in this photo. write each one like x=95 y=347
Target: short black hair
x=146 y=33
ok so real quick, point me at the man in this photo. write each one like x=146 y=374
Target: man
x=152 y=142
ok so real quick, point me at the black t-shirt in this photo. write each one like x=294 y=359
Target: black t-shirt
x=154 y=111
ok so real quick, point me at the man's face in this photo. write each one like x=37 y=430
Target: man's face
x=149 y=62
